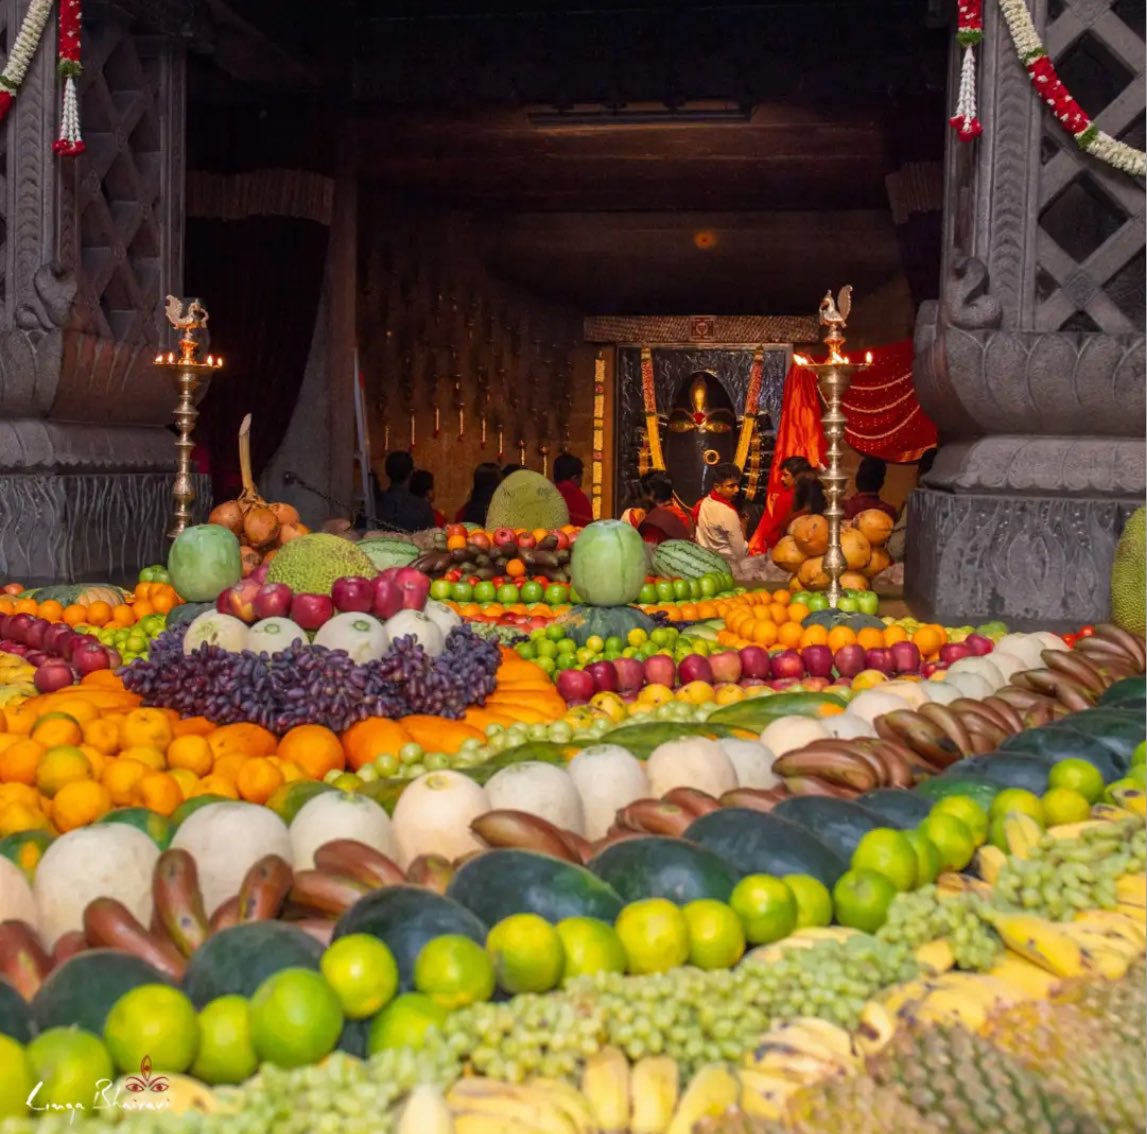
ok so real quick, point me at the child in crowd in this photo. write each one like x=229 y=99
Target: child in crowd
x=870 y=475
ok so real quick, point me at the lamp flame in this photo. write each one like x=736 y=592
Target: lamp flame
x=868 y=358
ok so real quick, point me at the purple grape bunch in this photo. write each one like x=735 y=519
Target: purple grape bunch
x=307 y=684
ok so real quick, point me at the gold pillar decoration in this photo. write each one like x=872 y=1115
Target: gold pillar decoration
x=649 y=398
x=597 y=465
x=189 y=372
x=749 y=415
x=834 y=376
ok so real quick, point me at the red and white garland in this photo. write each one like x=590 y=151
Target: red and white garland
x=1047 y=84
x=68 y=66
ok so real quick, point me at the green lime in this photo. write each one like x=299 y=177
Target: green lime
x=363 y=973
x=527 y=952
x=997 y=836
x=226 y=1053
x=716 y=936
x=969 y=812
x=888 y=852
x=404 y=1022
x=152 y=1022
x=454 y=971
x=589 y=946
x=295 y=1018
x=1139 y=756
x=1138 y=775
x=766 y=906
x=1064 y=805
x=67 y=1064
x=1017 y=799
x=1078 y=775
x=16 y=1081
x=952 y=838
x=928 y=864
x=861 y=899
x=654 y=934
x=814 y=902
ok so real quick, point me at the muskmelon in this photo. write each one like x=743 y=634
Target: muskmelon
x=527 y=500
x=874 y=524
x=786 y=554
x=1129 y=575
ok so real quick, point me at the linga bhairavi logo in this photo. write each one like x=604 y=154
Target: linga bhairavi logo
x=143 y=1092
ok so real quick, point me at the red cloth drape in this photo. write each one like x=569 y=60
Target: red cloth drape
x=800 y=434
x=884 y=418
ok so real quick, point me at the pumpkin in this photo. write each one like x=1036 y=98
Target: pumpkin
x=339 y=815
x=608 y=563
x=787 y=554
x=83 y=594
x=857 y=550
x=791 y=732
x=811 y=534
x=874 y=524
x=204 y=560
x=538 y=789
x=879 y=561
x=607 y=778
x=693 y=761
x=433 y=816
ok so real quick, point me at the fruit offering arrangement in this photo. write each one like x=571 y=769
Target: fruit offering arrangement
x=59 y=655
x=505 y=553
x=801 y=550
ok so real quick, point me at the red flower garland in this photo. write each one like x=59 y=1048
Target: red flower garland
x=69 y=68
x=969 y=32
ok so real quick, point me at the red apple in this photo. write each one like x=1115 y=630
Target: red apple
x=953 y=651
x=526 y=541
x=13 y=589
x=18 y=627
x=660 y=669
x=563 y=540
x=53 y=675
x=89 y=658
x=35 y=657
x=273 y=600
x=979 y=645
x=574 y=686
x=630 y=674
x=353 y=594
x=787 y=665
x=906 y=657
x=54 y=637
x=415 y=588
x=784 y=683
x=879 y=659
x=694 y=667
x=387 y=600
x=931 y=667
x=5 y=621
x=239 y=600
x=604 y=676
x=480 y=540
x=505 y=538
x=850 y=660
x=311 y=611
x=755 y=661
x=727 y=667
x=817 y=661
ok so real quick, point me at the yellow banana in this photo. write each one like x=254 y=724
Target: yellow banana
x=1109 y=813
x=518 y=1104
x=903 y=996
x=989 y=861
x=823 y=933
x=875 y=1028
x=1111 y=923
x=605 y=1083
x=653 y=1092
x=1073 y=830
x=1040 y=942
x=1022 y=834
x=806 y=1037
x=985 y=990
x=1131 y=890
x=480 y=1122
x=949 y=885
x=947 y=1006
x=764 y=1095
x=1131 y=799
x=567 y=1099
x=425 y=1112
x=713 y=1091
x=1031 y=982
x=935 y=957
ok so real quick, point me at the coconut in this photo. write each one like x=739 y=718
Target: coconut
x=261 y=526
x=228 y=515
x=812 y=573
x=786 y=554
x=285 y=513
x=250 y=559
x=857 y=550
x=290 y=531
x=854 y=581
x=811 y=534
x=880 y=561
x=875 y=525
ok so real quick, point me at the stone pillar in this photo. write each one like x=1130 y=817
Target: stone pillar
x=90 y=246
x=1032 y=361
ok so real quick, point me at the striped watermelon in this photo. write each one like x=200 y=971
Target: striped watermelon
x=683 y=559
x=385 y=552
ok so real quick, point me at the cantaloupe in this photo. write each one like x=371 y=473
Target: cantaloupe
x=434 y=813
x=339 y=815
x=538 y=789
x=607 y=778
x=788 y=733
x=693 y=761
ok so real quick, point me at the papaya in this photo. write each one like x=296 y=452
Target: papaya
x=657 y=867
x=838 y=823
x=83 y=990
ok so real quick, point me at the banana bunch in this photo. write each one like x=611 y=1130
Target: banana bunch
x=804 y=938
x=1102 y=943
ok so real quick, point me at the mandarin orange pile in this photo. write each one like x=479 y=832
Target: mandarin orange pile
x=147 y=598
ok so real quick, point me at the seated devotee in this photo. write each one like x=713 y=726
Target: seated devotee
x=808 y=497
x=398 y=509
x=870 y=475
x=568 y=472
x=635 y=513
x=719 y=525
x=422 y=486
x=487 y=477
x=778 y=516
x=665 y=518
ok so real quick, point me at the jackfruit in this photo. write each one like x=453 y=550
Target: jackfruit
x=526 y=499
x=310 y=564
x=1129 y=575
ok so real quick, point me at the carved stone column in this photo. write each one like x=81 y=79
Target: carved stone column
x=90 y=245
x=1032 y=362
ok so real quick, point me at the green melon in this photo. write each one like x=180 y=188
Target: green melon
x=15 y=1014
x=838 y=823
x=82 y=991
x=585 y=622
x=684 y=559
x=204 y=560
x=608 y=564
x=657 y=867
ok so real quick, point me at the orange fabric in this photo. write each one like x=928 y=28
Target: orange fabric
x=800 y=435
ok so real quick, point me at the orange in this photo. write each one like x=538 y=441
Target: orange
x=841 y=636
x=99 y=613
x=365 y=741
x=120 y=777
x=27 y=606
x=778 y=612
x=18 y=762
x=188 y=781
x=315 y=748
x=516 y=569
x=797 y=612
x=158 y=792
x=870 y=638
x=927 y=641
x=191 y=753
x=192 y=726
x=456 y=543
x=7 y=739
x=145 y=754
x=57 y=728
x=16 y=818
x=216 y=785
x=21 y=719
x=782 y=596
x=51 y=610
x=19 y=793
x=764 y=632
x=61 y=765
x=894 y=634
x=258 y=780
x=707 y=609
x=688 y=612
x=75 y=614
x=78 y=707
x=79 y=803
x=103 y=679
x=123 y=615
x=245 y=739
x=142 y=609
x=149 y=727
x=96 y=758
x=789 y=635
x=7 y=605
x=290 y=772
x=164 y=602
x=814 y=635
x=102 y=735
x=229 y=767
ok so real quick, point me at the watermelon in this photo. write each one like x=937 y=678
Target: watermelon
x=238 y=959
x=684 y=559
x=82 y=991
x=386 y=552
x=608 y=564
x=942 y=787
x=15 y=1014
x=187 y=612
x=507 y=881
x=1130 y=693
x=584 y=622
x=405 y=918
x=1117 y=729
x=897 y=806
x=1066 y=744
x=838 y=823
x=1005 y=769
x=657 y=867
x=753 y=842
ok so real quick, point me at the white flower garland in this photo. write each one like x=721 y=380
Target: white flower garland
x=24 y=48
x=1050 y=89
